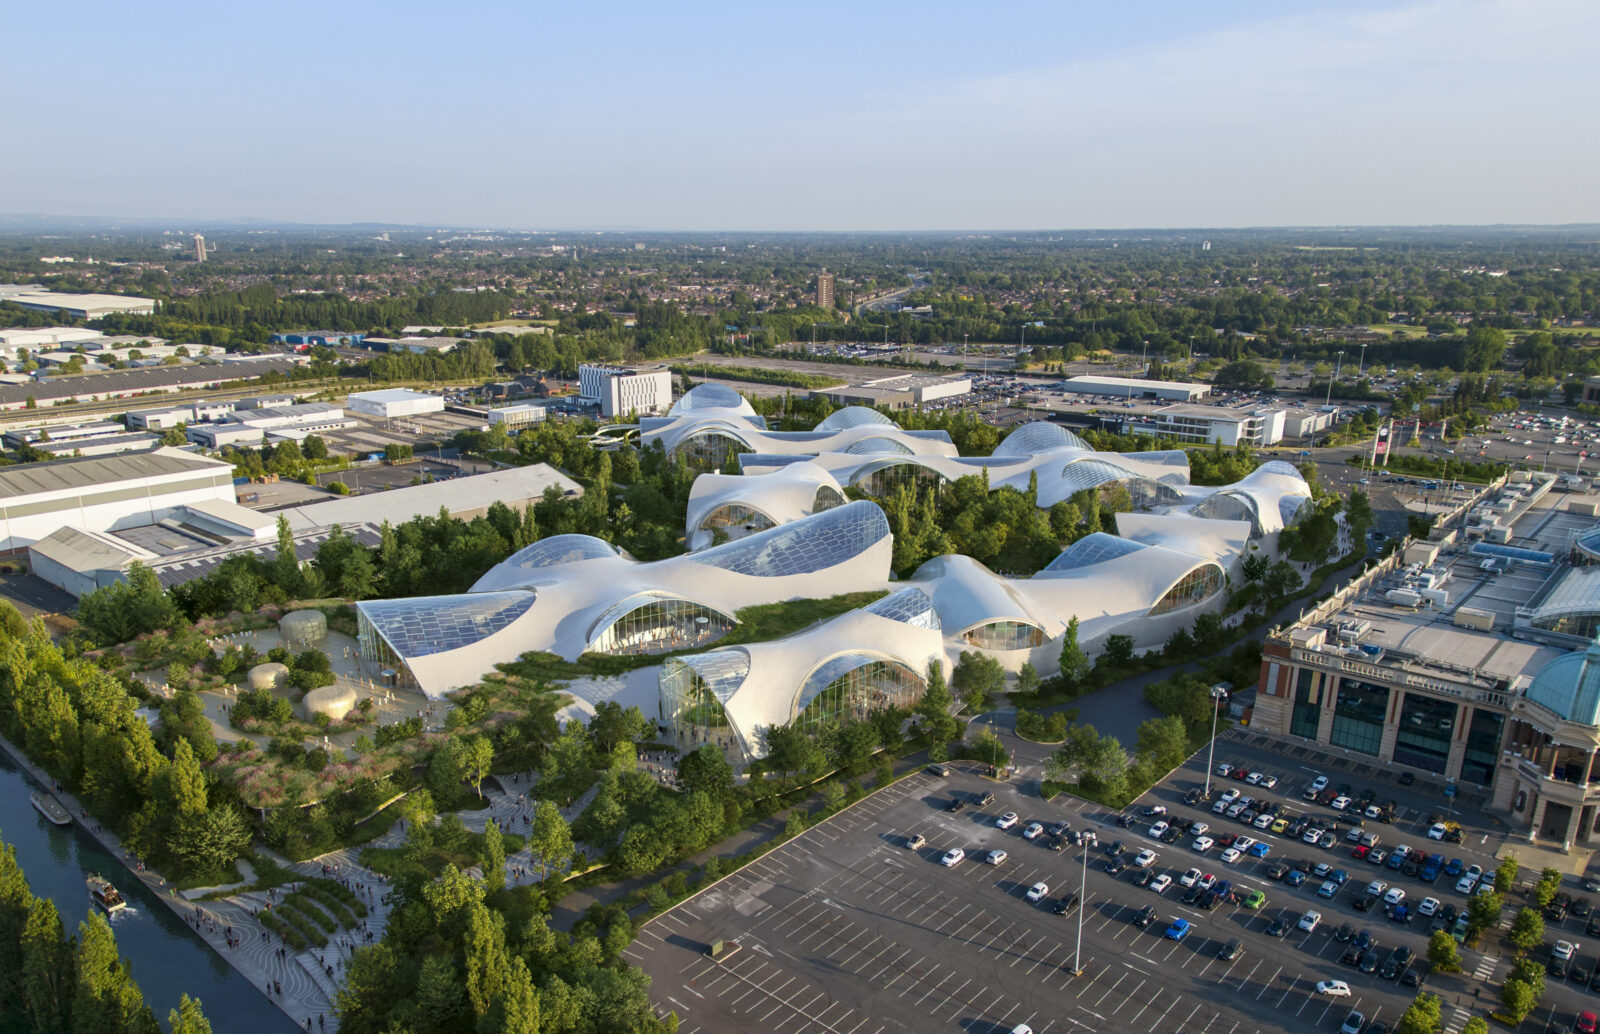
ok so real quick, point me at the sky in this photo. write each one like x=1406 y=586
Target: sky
x=820 y=115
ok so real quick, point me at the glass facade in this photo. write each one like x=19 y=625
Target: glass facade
x=1197 y=586
x=1584 y=625
x=654 y=623
x=1358 y=716
x=806 y=546
x=885 y=480
x=708 y=396
x=736 y=515
x=1039 y=436
x=851 y=687
x=1307 y=714
x=827 y=498
x=1426 y=728
x=852 y=416
x=876 y=444
x=693 y=692
x=1482 y=755
x=709 y=450
x=559 y=549
x=909 y=607
x=1005 y=635
x=1226 y=506
x=1094 y=548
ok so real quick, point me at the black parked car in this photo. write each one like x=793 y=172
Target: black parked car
x=1396 y=963
x=1352 y=956
x=1370 y=961
x=985 y=799
x=1191 y=895
x=1172 y=835
x=1146 y=916
x=1407 y=779
x=1344 y=933
x=1415 y=976
x=1065 y=905
x=956 y=805
x=1143 y=877
x=1279 y=927
x=1365 y=940
x=1593 y=927
x=1126 y=821
x=1116 y=865
x=1580 y=971
x=1581 y=908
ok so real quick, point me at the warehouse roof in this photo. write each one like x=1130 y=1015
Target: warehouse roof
x=121 y=382
x=61 y=475
x=398 y=505
x=79 y=550
x=391 y=395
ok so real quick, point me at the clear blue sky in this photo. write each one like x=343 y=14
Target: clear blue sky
x=806 y=116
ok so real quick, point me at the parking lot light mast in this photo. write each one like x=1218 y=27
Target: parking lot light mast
x=1211 y=755
x=1083 y=889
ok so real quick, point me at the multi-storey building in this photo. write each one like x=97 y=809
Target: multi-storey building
x=825 y=282
x=619 y=391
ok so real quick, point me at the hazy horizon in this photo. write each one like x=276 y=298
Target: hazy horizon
x=823 y=117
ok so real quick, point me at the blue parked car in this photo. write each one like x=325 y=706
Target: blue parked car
x=1340 y=877
x=1260 y=850
x=1178 y=930
x=1395 y=862
x=1294 y=877
x=1454 y=868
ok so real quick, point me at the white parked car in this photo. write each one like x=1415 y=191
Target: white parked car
x=1309 y=921
x=1038 y=891
x=1007 y=820
x=1254 y=778
x=1229 y=795
x=1401 y=851
x=1376 y=888
x=1311 y=835
x=1190 y=878
x=996 y=857
x=1466 y=884
x=952 y=856
x=1429 y=907
x=1564 y=949
x=1395 y=896
x=1199 y=829
x=1269 y=782
x=1264 y=820
x=1245 y=843
x=1033 y=831
x=1341 y=802
x=916 y=842
x=1231 y=855
x=1319 y=784
x=1202 y=844
x=1160 y=884
x=1334 y=988
x=1437 y=831
x=1156 y=830
x=1144 y=859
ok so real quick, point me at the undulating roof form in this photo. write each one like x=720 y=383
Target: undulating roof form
x=1093 y=549
x=1269 y=497
x=842 y=670
x=711 y=427
x=1572 y=605
x=732 y=505
x=572 y=593
x=704 y=397
x=853 y=416
x=1039 y=436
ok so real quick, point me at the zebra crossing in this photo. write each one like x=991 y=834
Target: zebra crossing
x=1458 y=1019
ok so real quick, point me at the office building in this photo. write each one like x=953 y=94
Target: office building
x=1202 y=425
x=902 y=391
x=825 y=282
x=515 y=418
x=619 y=391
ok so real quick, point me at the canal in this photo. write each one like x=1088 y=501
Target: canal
x=166 y=957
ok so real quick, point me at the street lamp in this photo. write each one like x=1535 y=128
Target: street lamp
x=1211 y=755
x=1363 y=364
x=1083 y=890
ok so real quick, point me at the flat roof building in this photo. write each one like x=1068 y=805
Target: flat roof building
x=104 y=494
x=1136 y=388
x=618 y=391
x=394 y=402
x=514 y=418
x=902 y=391
x=79 y=306
x=1229 y=425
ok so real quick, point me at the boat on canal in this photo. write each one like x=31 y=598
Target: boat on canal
x=105 y=895
x=50 y=808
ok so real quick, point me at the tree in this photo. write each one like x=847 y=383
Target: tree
x=1483 y=911
x=1254 y=567
x=706 y=769
x=1074 y=662
x=1163 y=742
x=479 y=761
x=1027 y=681
x=106 y=999
x=1422 y=1016
x=978 y=678
x=1549 y=884
x=488 y=965
x=187 y=1017
x=1442 y=952
x=933 y=709
x=46 y=973
x=1519 y=998
x=1505 y=876
x=1527 y=929
x=1476 y=1025
x=286 y=564
x=550 y=841
x=494 y=857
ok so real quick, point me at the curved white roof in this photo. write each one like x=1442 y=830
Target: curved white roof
x=697 y=421
x=853 y=416
x=1036 y=437
x=561 y=607
x=781 y=497
x=712 y=397
x=768 y=684
x=1270 y=496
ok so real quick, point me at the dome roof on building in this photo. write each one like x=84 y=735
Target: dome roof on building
x=1570 y=686
x=711 y=396
x=853 y=416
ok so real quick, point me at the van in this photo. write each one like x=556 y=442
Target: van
x=942 y=771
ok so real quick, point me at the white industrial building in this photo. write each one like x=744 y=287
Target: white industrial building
x=46 y=337
x=1132 y=388
x=253 y=426
x=514 y=418
x=394 y=402
x=619 y=391
x=105 y=494
x=1202 y=425
x=79 y=306
x=165 y=419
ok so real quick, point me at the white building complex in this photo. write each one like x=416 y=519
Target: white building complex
x=618 y=391
x=105 y=494
x=394 y=402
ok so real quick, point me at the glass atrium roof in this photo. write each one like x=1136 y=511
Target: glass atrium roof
x=1278 y=467
x=808 y=545
x=1039 y=436
x=723 y=671
x=628 y=604
x=852 y=416
x=419 y=626
x=1589 y=542
x=708 y=396
x=876 y=444
x=835 y=668
x=1091 y=473
x=560 y=549
x=1095 y=548
x=908 y=606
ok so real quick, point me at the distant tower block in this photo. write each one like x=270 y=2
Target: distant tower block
x=199 y=247
x=825 y=290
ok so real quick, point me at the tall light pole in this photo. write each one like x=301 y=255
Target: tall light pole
x=1363 y=364
x=1083 y=890
x=1211 y=755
